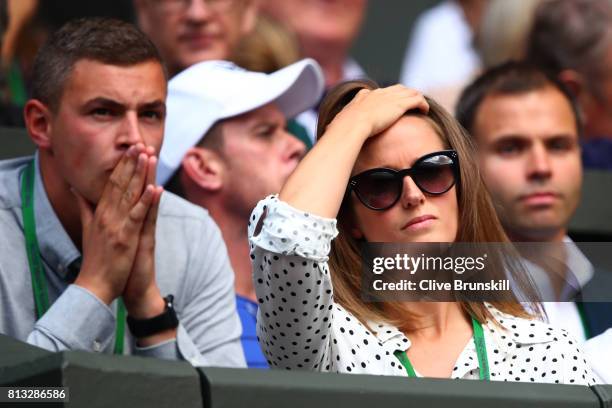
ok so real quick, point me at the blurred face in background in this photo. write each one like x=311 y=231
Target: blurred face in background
x=335 y=22
x=190 y=31
x=529 y=157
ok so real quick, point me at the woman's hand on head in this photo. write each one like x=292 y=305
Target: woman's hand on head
x=318 y=184
x=378 y=109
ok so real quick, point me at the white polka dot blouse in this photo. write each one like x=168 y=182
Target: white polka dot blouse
x=300 y=327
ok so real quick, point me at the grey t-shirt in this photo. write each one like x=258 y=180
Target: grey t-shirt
x=191 y=263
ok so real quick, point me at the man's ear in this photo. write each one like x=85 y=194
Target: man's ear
x=249 y=16
x=576 y=84
x=140 y=9
x=573 y=81
x=204 y=168
x=38 y=122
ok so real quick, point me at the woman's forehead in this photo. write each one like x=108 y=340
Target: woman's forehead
x=400 y=145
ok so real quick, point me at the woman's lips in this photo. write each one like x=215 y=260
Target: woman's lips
x=419 y=223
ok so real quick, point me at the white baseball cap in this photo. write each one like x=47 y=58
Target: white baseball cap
x=210 y=91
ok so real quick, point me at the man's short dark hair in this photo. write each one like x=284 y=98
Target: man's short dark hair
x=510 y=78
x=106 y=40
x=571 y=34
x=212 y=140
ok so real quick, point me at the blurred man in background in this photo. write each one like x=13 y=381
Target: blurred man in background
x=440 y=58
x=326 y=31
x=190 y=31
x=526 y=126
x=572 y=39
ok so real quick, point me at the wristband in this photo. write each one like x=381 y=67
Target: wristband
x=148 y=327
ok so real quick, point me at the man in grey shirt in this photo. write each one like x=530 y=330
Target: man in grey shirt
x=87 y=235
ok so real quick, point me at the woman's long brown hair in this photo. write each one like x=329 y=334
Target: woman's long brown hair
x=478 y=223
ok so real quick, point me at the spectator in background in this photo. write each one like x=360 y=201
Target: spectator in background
x=29 y=24
x=526 y=126
x=440 y=58
x=18 y=47
x=269 y=48
x=190 y=31
x=503 y=31
x=226 y=148
x=88 y=236
x=572 y=39
x=325 y=30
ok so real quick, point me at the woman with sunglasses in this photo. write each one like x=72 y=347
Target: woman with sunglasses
x=389 y=166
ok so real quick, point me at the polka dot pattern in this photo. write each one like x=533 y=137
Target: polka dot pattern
x=299 y=325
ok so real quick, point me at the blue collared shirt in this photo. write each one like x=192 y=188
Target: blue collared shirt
x=247 y=310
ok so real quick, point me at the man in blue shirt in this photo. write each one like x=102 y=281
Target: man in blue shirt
x=226 y=148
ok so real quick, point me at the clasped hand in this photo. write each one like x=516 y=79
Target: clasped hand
x=119 y=235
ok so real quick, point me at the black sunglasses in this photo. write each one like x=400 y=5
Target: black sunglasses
x=379 y=189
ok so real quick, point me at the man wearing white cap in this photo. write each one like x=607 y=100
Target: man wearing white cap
x=226 y=147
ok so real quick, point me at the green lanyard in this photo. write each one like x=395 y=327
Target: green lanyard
x=19 y=95
x=39 y=283
x=583 y=320
x=481 y=351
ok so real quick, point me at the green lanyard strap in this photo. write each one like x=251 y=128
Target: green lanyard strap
x=583 y=320
x=120 y=327
x=481 y=352
x=18 y=93
x=39 y=283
